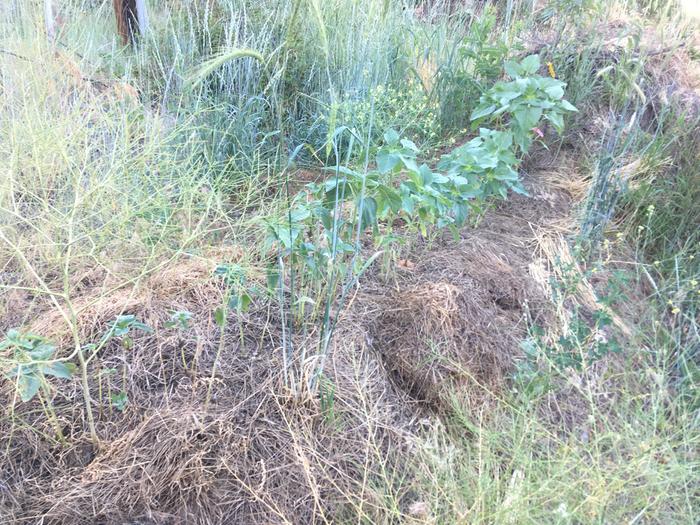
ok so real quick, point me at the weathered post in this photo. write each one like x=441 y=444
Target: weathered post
x=132 y=19
x=49 y=20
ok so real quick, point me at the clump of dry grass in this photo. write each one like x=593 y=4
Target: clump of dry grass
x=461 y=309
x=170 y=456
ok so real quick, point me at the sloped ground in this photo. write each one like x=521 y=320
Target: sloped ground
x=234 y=446
x=447 y=323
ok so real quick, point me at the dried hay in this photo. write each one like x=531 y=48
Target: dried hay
x=449 y=330
x=184 y=285
x=251 y=455
x=456 y=320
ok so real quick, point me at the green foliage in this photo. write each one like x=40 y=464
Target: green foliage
x=123 y=325
x=407 y=108
x=33 y=359
x=467 y=63
x=238 y=294
x=485 y=166
x=322 y=234
x=526 y=99
x=180 y=320
x=588 y=336
x=119 y=400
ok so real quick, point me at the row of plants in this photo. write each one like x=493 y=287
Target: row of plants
x=320 y=242
x=323 y=236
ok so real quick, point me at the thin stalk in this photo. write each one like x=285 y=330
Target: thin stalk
x=51 y=416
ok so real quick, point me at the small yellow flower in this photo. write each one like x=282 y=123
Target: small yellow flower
x=619 y=235
x=670 y=303
x=691 y=257
x=656 y=263
x=693 y=283
x=550 y=67
x=675 y=310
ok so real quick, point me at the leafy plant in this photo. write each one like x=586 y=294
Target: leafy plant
x=322 y=233
x=587 y=339
x=119 y=400
x=237 y=297
x=179 y=319
x=471 y=66
x=526 y=99
x=33 y=358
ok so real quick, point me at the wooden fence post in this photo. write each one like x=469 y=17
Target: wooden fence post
x=132 y=19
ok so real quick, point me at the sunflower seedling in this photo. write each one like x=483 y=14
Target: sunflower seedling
x=33 y=358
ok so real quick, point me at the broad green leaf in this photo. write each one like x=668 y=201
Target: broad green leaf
x=528 y=117
x=387 y=160
x=391 y=137
x=557 y=120
x=461 y=212
x=513 y=69
x=369 y=212
x=409 y=162
x=518 y=187
x=42 y=352
x=29 y=385
x=408 y=144
x=555 y=91
x=300 y=214
x=138 y=325
x=407 y=204
x=482 y=111
x=566 y=105
x=388 y=198
x=220 y=317
x=59 y=369
x=506 y=174
x=444 y=221
x=530 y=64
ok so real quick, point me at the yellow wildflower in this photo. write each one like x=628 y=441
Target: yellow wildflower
x=550 y=67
